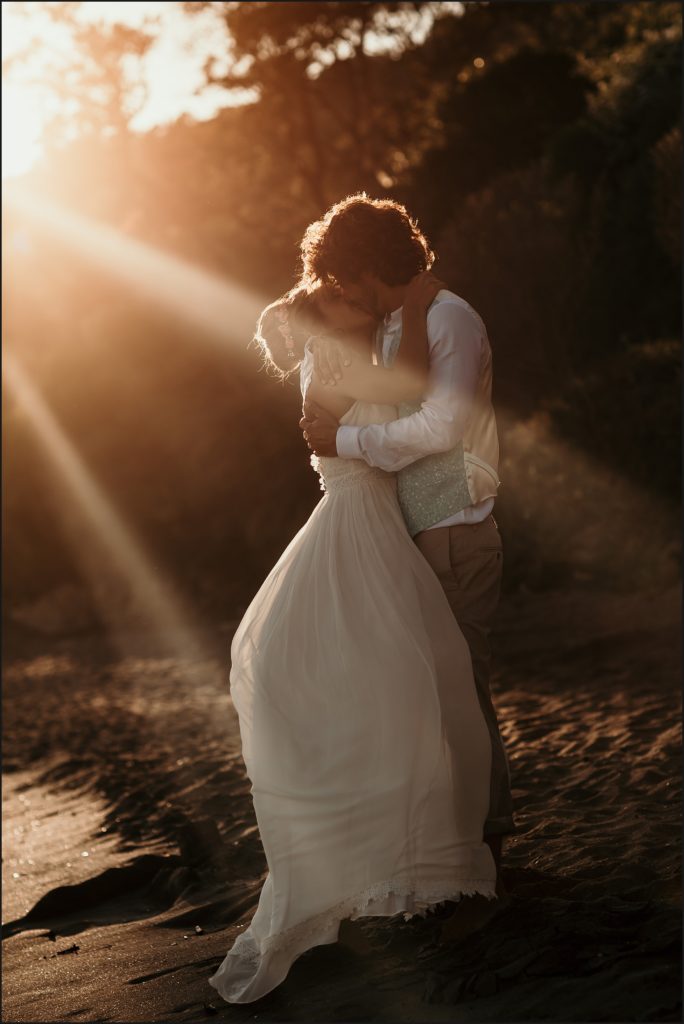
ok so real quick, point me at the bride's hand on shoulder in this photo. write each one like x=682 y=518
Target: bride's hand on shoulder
x=422 y=291
x=329 y=356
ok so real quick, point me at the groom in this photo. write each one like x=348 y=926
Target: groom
x=445 y=451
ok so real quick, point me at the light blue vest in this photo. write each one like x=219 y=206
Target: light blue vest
x=432 y=488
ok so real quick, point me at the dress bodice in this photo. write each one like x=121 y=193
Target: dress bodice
x=338 y=473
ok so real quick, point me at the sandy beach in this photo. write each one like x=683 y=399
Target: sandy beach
x=131 y=857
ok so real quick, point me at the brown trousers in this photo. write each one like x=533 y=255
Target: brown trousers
x=468 y=562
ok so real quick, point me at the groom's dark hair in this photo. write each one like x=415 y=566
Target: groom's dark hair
x=362 y=235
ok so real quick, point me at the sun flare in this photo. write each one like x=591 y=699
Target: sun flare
x=32 y=46
x=39 y=53
x=22 y=129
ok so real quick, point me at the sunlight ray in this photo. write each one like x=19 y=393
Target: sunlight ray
x=102 y=529
x=225 y=312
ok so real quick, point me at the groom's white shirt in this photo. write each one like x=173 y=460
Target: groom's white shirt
x=457 y=340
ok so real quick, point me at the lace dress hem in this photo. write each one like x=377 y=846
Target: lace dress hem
x=318 y=930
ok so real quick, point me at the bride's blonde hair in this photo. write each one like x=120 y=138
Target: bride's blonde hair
x=284 y=326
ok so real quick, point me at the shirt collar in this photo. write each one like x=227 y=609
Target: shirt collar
x=393 y=318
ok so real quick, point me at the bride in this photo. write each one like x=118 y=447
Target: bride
x=361 y=730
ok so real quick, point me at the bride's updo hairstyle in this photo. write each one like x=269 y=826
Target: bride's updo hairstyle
x=284 y=327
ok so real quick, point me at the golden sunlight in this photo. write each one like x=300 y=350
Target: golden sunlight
x=103 y=538
x=249 y=688
x=23 y=114
x=31 y=44
x=224 y=311
x=22 y=126
x=37 y=51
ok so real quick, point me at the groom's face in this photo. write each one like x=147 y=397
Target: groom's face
x=362 y=294
x=345 y=316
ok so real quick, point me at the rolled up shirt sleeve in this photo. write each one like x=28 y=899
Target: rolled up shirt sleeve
x=455 y=336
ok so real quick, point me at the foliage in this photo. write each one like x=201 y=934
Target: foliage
x=607 y=411
x=94 y=86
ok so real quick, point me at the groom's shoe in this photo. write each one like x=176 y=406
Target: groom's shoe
x=352 y=937
x=495 y=843
x=441 y=911
x=471 y=914
x=474 y=912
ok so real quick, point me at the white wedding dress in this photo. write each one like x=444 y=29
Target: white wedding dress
x=361 y=729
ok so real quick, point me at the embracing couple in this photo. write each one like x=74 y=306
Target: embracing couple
x=360 y=671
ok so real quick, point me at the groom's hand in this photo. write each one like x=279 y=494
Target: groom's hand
x=320 y=429
x=329 y=358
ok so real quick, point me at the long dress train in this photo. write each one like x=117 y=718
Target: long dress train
x=361 y=730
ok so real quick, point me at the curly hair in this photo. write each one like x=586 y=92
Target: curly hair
x=362 y=235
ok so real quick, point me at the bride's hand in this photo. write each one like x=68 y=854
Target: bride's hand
x=422 y=291
x=329 y=358
x=319 y=428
